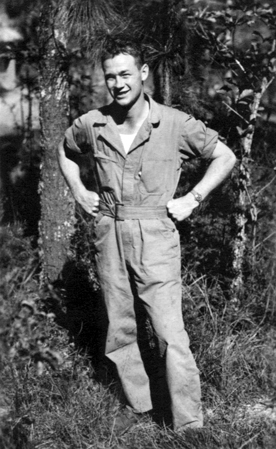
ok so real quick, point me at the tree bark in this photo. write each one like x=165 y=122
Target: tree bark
x=166 y=84
x=246 y=204
x=57 y=206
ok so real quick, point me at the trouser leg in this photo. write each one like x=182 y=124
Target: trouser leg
x=181 y=372
x=159 y=287
x=121 y=344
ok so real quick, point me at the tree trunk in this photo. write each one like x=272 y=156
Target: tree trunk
x=169 y=31
x=57 y=205
x=166 y=85
x=246 y=205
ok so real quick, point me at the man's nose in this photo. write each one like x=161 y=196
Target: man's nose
x=119 y=82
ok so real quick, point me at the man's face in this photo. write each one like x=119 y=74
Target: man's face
x=124 y=79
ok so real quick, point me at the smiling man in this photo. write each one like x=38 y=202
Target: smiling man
x=138 y=147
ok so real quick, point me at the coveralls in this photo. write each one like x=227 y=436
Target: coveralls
x=136 y=242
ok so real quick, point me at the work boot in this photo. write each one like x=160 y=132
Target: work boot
x=126 y=419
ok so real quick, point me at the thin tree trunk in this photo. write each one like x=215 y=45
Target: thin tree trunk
x=166 y=81
x=166 y=84
x=57 y=205
x=245 y=201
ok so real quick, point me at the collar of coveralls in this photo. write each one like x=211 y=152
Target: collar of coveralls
x=103 y=116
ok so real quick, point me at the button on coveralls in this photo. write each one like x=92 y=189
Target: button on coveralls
x=138 y=244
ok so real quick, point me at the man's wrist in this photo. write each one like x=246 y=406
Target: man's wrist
x=198 y=197
x=78 y=192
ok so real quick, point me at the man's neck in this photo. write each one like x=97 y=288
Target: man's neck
x=129 y=119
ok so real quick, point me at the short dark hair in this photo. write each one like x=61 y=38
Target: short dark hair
x=115 y=46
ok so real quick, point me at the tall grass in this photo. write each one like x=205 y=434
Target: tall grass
x=53 y=397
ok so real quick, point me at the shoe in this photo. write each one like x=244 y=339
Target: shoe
x=126 y=419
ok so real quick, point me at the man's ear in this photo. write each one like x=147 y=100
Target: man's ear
x=144 y=72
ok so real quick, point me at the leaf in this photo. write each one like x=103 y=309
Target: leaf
x=240 y=130
x=257 y=33
x=246 y=93
x=265 y=12
x=241 y=21
x=225 y=88
x=230 y=81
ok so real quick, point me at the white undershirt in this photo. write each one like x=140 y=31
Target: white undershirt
x=127 y=140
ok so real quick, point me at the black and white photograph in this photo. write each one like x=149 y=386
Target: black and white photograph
x=137 y=224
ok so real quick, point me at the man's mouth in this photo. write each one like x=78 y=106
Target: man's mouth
x=121 y=94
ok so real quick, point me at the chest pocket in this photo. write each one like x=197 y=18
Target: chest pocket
x=105 y=168
x=156 y=176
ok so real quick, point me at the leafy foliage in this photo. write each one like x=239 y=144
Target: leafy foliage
x=24 y=336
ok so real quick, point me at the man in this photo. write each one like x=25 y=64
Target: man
x=138 y=148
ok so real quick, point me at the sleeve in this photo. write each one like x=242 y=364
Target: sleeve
x=76 y=138
x=197 y=140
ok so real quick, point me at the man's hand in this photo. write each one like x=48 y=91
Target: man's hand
x=88 y=200
x=181 y=208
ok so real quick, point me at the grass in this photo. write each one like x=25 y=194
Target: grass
x=54 y=397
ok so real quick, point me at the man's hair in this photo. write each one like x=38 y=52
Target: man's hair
x=115 y=46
